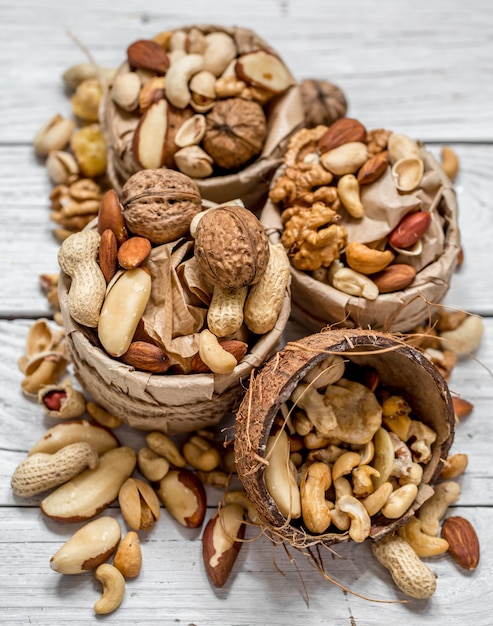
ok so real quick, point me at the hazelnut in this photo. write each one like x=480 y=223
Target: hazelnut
x=231 y=246
x=160 y=204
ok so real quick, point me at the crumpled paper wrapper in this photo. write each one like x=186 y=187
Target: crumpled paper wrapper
x=316 y=304
x=284 y=116
x=171 y=403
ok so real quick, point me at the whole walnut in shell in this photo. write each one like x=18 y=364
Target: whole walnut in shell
x=323 y=102
x=231 y=246
x=235 y=132
x=160 y=204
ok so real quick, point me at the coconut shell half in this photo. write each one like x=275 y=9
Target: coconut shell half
x=401 y=369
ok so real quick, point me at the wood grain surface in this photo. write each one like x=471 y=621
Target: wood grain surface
x=422 y=68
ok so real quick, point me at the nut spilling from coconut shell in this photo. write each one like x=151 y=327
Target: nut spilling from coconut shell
x=377 y=415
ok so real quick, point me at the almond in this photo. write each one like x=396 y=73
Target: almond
x=410 y=229
x=146 y=357
x=342 y=131
x=134 y=252
x=371 y=171
x=462 y=407
x=394 y=277
x=110 y=215
x=149 y=140
x=108 y=249
x=222 y=541
x=463 y=541
x=235 y=347
x=148 y=55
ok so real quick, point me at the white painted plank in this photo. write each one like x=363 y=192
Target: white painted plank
x=407 y=64
x=173 y=587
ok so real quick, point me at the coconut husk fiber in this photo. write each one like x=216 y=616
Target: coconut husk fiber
x=170 y=402
x=251 y=183
x=316 y=304
x=401 y=369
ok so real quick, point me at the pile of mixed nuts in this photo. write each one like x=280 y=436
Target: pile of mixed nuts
x=81 y=454
x=239 y=276
x=324 y=189
x=193 y=100
x=204 y=100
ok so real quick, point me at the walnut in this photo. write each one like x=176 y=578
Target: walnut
x=311 y=236
x=160 y=204
x=231 y=246
x=323 y=102
x=236 y=132
x=376 y=140
x=297 y=185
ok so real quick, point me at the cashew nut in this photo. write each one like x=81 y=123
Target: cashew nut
x=423 y=437
x=362 y=481
x=433 y=510
x=466 y=338
x=399 y=501
x=360 y=526
x=449 y=162
x=422 y=543
x=315 y=509
x=318 y=412
x=102 y=416
x=365 y=260
x=152 y=465
x=200 y=454
x=177 y=77
x=345 y=464
x=164 y=446
x=375 y=501
x=241 y=497
x=342 y=487
x=454 y=465
x=348 y=191
x=113 y=588
x=414 y=476
x=220 y=51
x=327 y=372
x=367 y=452
x=301 y=423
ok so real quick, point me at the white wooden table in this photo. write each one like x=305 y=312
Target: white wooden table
x=422 y=68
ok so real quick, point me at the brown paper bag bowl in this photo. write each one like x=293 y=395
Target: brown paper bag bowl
x=316 y=304
x=284 y=114
x=166 y=402
x=400 y=368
